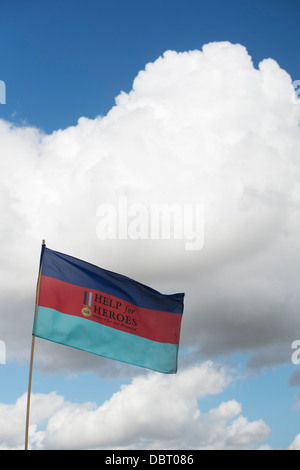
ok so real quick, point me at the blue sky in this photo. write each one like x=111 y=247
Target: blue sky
x=67 y=60
x=72 y=60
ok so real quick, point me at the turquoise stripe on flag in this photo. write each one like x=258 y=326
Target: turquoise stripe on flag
x=81 y=333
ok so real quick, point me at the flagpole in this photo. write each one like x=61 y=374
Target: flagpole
x=31 y=358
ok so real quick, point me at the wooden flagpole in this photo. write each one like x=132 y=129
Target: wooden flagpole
x=31 y=359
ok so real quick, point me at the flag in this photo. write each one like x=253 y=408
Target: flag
x=105 y=313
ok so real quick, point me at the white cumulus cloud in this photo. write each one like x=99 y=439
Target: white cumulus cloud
x=152 y=412
x=295 y=445
x=200 y=127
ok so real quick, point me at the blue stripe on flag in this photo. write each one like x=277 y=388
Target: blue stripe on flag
x=80 y=273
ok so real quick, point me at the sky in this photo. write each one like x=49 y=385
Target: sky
x=192 y=103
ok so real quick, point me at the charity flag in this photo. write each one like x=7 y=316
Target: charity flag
x=108 y=314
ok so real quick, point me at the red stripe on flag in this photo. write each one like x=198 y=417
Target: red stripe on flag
x=110 y=311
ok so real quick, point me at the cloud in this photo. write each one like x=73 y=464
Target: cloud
x=295 y=445
x=297 y=404
x=12 y=419
x=200 y=127
x=168 y=417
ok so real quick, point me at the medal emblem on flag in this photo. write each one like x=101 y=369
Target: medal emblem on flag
x=86 y=311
